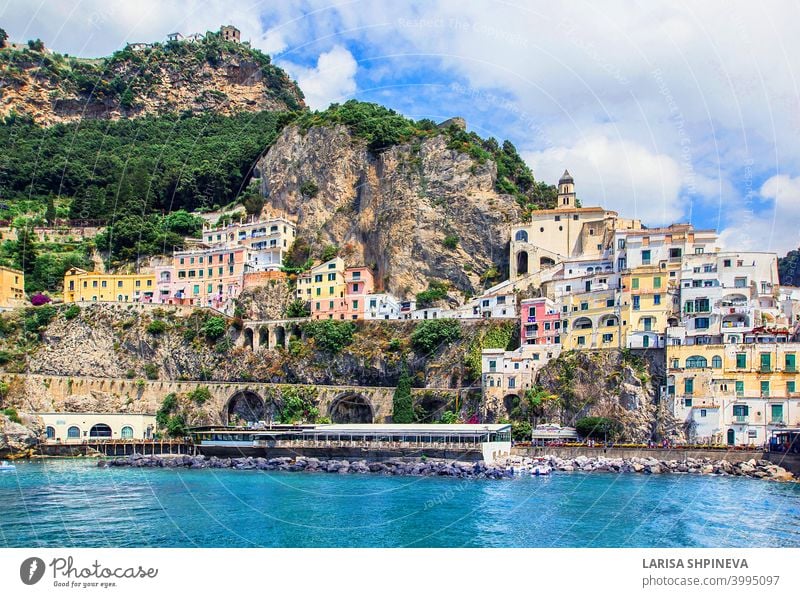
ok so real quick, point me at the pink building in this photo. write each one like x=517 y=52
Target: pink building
x=203 y=277
x=541 y=322
x=360 y=283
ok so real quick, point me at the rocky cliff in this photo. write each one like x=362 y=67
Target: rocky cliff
x=417 y=211
x=615 y=384
x=211 y=75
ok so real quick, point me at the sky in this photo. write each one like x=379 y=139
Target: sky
x=665 y=111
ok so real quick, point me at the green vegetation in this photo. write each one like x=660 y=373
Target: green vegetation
x=533 y=405
x=156 y=327
x=12 y=414
x=72 y=311
x=297 y=308
x=214 y=327
x=329 y=334
x=200 y=395
x=449 y=417
x=598 y=428
x=168 y=419
x=36 y=319
x=436 y=291
x=329 y=252
x=495 y=336
x=789 y=268
x=402 y=401
x=450 y=241
x=309 y=188
x=431 y=334
x=151 y=371
x=298 y=405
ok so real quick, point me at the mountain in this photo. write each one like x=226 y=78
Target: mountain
x=207 y=75
x=789 y=268
x=417 y=202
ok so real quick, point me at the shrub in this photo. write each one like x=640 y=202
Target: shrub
x=39 y=299
x=156 y=327
x=309 y=188
x=330 y=335
x=176 y=426
x=12 y=414
x=72 y=312
x=430 y=334
x=395 y=344
x=449 y=417
x=130 y=374
x=521 y=431
x=151 y=371
x=200 y=395
x=297 y=308
x=402 y=401
x=214 y=327
x=329 y=252
x=168 y=405
x=436 y=291
x=298 y=405
x=598 y=427
x=450 y=241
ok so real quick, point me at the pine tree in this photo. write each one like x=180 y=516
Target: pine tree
x=50 y=211
x=402 y=402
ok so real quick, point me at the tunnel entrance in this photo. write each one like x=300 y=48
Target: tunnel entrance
x=351 y=408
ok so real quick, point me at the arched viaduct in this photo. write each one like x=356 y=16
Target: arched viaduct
x=242 y=401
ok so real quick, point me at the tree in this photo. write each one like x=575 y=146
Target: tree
x=24 y=250
x=430 y=334
x=3 y=37
x=297 y=308
x=50 y=211
x=330 y=335
x=37 y=45
x=403 y=401
x=533 y=405
x=214 y=327
x=598 y=428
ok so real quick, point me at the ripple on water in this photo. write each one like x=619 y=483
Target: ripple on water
x=74 y=504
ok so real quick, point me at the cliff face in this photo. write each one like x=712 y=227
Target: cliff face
x=614 y=384
x=415 y=212
x=208 y=76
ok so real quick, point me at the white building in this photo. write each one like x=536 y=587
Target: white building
x=70 y=428
x=382 y=306
x=267 y=241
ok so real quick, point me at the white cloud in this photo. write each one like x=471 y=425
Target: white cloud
x=769 y=221
x=620 y=175
x=332 y=80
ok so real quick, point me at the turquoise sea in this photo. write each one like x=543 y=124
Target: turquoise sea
x=75 y=504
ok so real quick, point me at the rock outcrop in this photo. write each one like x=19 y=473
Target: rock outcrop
x=18 y=439
x=394 y=210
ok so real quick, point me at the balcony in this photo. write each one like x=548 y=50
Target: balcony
x=777 y=421
x=740 y=418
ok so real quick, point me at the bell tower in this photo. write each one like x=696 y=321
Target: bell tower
x=566 y=192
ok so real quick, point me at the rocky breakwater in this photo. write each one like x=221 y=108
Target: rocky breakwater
x=427 y=468
x=758 y=469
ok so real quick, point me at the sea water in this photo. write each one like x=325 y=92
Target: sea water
x=72 y=503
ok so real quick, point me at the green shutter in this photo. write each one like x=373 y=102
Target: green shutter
x=688 y=385
x=741 y=360
x=790 y=362
x=740 y=388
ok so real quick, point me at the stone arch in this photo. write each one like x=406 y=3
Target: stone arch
x=280 y=336
x=521 y=236
x=245 y=405
x=263 y=337
x=522 y=262
x=545 y=262
x=582 y=323
x=351 y=407
x=295 y=331
x=508 y=402
x=248 y=338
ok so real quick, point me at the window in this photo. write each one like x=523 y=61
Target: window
x=675 y=364
x=726 y=263
x=776 y=413
x=355 y=287
x=331 y=277
x=581 y=340
x=646 y=257
x=656 y=299
x=740 y=282
x=698 y=250
x=657 y=282
x=636 y=302
x=73 y=432
x=127 y=432
x=675 y=253
x=789 y=363
x=766 y=361
x=740 y=410
x=687 y=402
x=740 y=388
x=609 y=302
x=608 y=338
x=521 y=236
x=584 y=306
x=716 y=362
x=621 y=243
x=765 y=388
x=696 y=362
x=741 y=360
x=317 y=277
x=51 y=432
x=688 y=385
x=492 y=366
x=635 y=283
x=701 y=323
x=790 y=387
x=355 y=305
x=512 y=382
x=703 y=412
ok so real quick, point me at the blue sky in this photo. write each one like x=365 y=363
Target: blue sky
x=664 y=111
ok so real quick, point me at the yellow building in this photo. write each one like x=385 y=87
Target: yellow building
x=83 y=286
x=736 y=394
x=12 y=288
x=592 y=320
x=321 y=286
x=648 y=296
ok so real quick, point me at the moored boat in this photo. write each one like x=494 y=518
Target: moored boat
x=4 y=466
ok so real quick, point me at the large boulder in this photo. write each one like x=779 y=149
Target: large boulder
x=16 y=439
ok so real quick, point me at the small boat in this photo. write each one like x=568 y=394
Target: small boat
x=4 y=466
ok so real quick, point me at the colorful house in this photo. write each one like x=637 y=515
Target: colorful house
x=324 y=287
x=359 y=283
x=12 y=288
x=541 y=322
x=83 y=286
x=648 y=301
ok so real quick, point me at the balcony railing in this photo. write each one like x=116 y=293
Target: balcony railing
x=740 y=418
x=777 y=421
